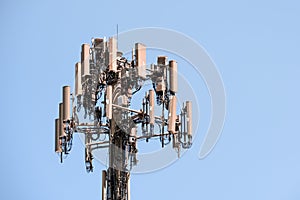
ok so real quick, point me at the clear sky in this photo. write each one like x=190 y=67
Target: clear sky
x=255 y=45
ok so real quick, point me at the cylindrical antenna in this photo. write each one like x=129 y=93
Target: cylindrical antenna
x=66 y=103
x=78 y=86
x=189 y=118
x=112 y=54
x=173 y=77
x=85 y=60
x=109 y=102
x=61 y=124
x=151 y=106
x=57 y=130
x=140 y=56
x=172 y=115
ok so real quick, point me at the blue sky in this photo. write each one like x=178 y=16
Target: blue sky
x=255 y=45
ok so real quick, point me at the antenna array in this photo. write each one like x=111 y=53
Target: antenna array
x=100 y=107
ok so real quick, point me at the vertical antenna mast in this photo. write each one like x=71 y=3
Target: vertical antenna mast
x=105 y=84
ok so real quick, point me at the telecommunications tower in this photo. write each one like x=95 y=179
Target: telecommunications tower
x=100 y=108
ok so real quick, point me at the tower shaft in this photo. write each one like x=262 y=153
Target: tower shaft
x=117 y=174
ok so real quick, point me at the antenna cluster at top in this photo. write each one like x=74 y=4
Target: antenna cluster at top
x=100 y=106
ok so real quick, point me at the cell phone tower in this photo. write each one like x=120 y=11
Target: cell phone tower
x=105 y=84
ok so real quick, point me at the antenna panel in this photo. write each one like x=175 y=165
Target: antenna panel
x=172 y=115
x=66 y=103
x=140 y=54
x=173 y=76
x=189 y=118
x=109 y=101
x=57 y=130
x=61 y=124
x=112 y=54
x=78 y=86
x=85 y=60
x=151 y=106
